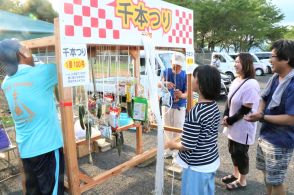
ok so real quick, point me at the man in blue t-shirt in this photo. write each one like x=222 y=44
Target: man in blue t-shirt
x=276 y=112
x=175 y=80
x=29 y=92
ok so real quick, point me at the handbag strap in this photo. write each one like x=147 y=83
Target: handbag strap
x=229 y=101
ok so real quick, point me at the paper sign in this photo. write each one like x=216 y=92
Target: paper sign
x=190 y=63
x=75 y=65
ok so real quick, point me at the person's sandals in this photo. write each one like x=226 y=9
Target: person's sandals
x=235 y=185
x=229 y=179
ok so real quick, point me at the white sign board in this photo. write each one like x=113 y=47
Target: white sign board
x=190 y=63
x=75 y=65
x=122 y=22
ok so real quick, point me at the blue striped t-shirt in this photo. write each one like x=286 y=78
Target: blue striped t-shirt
x=200 y=135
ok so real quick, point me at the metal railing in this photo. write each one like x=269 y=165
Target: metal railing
x=3 y=102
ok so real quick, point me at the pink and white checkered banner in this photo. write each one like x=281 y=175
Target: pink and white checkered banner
x=122 y=22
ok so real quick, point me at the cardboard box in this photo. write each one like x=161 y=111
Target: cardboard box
x=83 y=150
x=102 y=147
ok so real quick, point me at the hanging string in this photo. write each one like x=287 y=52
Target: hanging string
x=119 y=72
x=173 y=179
x=117 y=83
x=129 y=62
x=154 y=104
x=89 y=126
x=102 y=67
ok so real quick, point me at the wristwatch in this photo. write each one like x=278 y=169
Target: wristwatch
x=262 y=118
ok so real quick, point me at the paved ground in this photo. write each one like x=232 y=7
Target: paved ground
x=141 y=180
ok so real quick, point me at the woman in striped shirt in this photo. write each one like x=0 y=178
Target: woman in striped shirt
x=198 y=146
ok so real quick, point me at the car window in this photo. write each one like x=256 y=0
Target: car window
x=259 y=55
x=233 y=56
x=266 y=56
x=263 y=56
x=222 y=59
x=143 y=66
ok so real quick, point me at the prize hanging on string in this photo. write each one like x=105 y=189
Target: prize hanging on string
x=140 y=108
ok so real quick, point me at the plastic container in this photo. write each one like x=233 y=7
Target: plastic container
x=124 y=120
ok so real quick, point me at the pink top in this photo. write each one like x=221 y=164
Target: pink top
x=243 y=131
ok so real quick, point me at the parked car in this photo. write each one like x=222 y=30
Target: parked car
x=265 y=58
x=260 y=68
x=226 y=64
x=225 y=84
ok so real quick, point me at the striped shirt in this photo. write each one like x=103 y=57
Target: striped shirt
x=200 y=135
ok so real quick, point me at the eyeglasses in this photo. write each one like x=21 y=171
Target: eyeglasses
x=274 y=56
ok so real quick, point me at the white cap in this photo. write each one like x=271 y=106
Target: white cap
x=179 y=59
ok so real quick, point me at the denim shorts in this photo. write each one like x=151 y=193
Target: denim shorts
x=273 y=161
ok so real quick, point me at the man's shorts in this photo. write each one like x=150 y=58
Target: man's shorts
x=273 y=161
x=45 y=173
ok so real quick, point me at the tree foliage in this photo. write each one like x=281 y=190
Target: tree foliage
x=237 y=24
x=10 y=6
x=41 y=9
x=36 y=9
x=290 y=33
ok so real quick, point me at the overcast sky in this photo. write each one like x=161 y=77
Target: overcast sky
x=287 y=7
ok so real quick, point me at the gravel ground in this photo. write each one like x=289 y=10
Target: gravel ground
x=141 y=180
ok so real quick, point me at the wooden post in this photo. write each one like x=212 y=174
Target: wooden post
x=139 y=140
x=190 y=92
x=135 y=53
x=65 y=96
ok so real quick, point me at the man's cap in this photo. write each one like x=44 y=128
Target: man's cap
x=8 y=57
x=179 y=59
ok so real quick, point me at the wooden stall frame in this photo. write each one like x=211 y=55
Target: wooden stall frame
x=79 y=182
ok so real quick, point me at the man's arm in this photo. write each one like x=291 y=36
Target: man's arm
x=184 y=95
x=258 y=115
x=283 y=119
x=167 y=84
x=261 y=106
x=180 y=94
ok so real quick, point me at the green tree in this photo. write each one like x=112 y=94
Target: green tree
x=290 y=33
x=39 y=9
x=241 y=24
x=10 y=6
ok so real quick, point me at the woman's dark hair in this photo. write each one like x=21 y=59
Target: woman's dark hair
x=209 y=80
x=246 y=59
x=284 y=50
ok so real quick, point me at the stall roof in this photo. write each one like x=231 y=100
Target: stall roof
x=23 y=27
